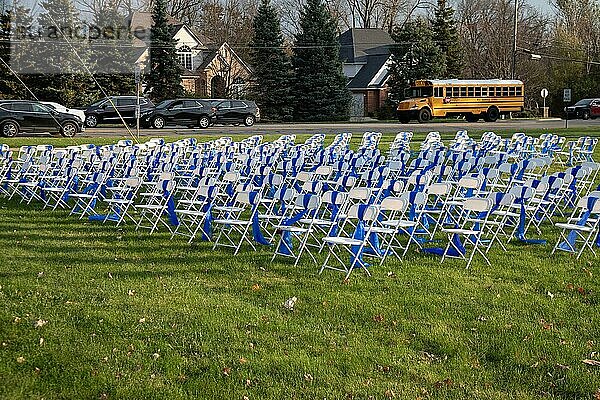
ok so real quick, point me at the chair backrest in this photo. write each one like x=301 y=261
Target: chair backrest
x=439 y=189
x=398 y=204
x=477 y=204
x=333 y=197
x=360 y=193
x=307 y=201
x=364 y=212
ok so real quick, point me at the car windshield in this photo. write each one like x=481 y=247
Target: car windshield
x=583 y=102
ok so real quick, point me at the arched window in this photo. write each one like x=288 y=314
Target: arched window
x=184 y=55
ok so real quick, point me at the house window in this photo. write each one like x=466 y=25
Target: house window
x=184 y=55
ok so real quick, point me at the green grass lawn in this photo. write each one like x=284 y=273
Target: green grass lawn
x=90 y=311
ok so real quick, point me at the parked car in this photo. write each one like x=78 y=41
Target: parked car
x=236 y=111
x=63 y=109
x=111 y=109
x=18 y=116
x=187 y=112
x=584 y=109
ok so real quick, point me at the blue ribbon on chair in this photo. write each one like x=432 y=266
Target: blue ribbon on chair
x=173 y=220
x=356 y=260
x=286 y=245
x=257 y=234
x=569 y=244
x=520 y=233
x=335 y=210
x=207 y=225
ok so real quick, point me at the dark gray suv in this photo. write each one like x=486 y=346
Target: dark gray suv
x=111 y=109
x=230 y=111
x=18 y=116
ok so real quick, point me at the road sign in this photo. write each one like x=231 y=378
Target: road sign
x=138 y=73
x=567 y=95
x=544 y=93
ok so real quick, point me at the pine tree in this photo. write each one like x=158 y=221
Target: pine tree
x=112 y=53
x=446 y=36
x=164 y=77
x=320 y=85
x=272 y=68
x=6 y=76
x=415 y=56
x=58 y=61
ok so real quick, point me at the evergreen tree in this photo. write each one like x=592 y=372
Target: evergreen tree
x=415 y=56
x=112 y=52
x=6 y=76
x=58 y=60
x=446 y=37
x=164 y=77
x=320 y=86
x=273 y=75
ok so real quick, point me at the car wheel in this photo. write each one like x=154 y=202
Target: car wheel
x=91 y=121
x=204 y=122
x=69 y=129
x=10 y=129
x=249 y=120
x=424 y=115
x=586 y=115
x=158 y=122
x=492 y=114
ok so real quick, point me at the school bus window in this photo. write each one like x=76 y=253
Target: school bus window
x=484 y=92
x=448 y=91
x=477 y=91
x=455 y=92
x=463 y=92
x=519 y=91
x=511 y=91
x=505 y=91
x=470 y=91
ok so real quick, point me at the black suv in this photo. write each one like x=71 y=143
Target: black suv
x=584 y=109
x=186 y=112
x=108 y=109
x=30 y=116
x=236 y=112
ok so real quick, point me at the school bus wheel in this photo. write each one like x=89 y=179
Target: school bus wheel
x=424 y=115
x=492 y=114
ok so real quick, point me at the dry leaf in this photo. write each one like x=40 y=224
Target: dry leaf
x=226 y=371
x=290 y=303
x=243 y=360
x=131 y=292
x=256 y=287
x=39 y=323
x=41 y=341
x=587 y=271
x=550 y=295
x=142 y=320
x=20 y=360
x=595 y=363
x=378 y=318
x=155 y=356
x=308 y=377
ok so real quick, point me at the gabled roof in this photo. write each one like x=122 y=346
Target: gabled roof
x=372 y=75
x=357 y=43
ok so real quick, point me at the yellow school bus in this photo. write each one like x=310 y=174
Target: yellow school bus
x=473 y=99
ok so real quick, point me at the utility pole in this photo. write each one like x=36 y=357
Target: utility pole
x=514 y=50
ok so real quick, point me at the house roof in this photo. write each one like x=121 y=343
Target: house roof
x=375 y=67
x=357 y=43
x=141 y=21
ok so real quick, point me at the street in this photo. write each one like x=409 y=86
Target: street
x=355 y=127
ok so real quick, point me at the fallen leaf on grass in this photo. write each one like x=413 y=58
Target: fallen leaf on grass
x=256 y=287
x=595 y=363
x=41 y=341
x=39 y=323
x=155 y=356
x=290 y=303
x=545 y=325
x=243 y=360
x=142 y=320
x=587 y=271
x=550 y=295
x=131 y=292
x=562 y=366
x=226 y=371
x=378 y=318
x=20 y=360
x=308 y=377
